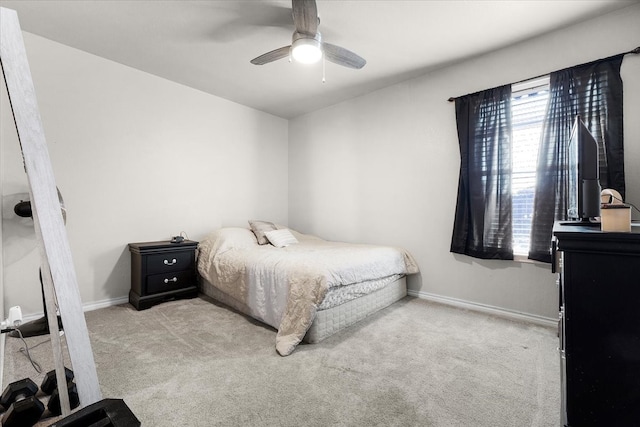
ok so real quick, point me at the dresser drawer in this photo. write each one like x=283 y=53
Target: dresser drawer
x=169 y=281
x=170 y=262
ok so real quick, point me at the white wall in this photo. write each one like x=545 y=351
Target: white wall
x=140 y=158
x=137 y=158
x=383 y=168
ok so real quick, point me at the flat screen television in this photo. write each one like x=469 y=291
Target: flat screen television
x=584 y=182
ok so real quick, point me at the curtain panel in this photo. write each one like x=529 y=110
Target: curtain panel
x=482 y=224
x=593 y=91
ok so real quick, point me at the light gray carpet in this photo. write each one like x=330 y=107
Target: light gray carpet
x=198 y=363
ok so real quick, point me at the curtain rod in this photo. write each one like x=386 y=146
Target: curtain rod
x=635 y=51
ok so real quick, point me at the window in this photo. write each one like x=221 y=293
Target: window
x=513 y=141
x=528 y=104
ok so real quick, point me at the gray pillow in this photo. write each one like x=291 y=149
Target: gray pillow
x=261 y=227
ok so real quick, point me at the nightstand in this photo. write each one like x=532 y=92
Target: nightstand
x=162 y=271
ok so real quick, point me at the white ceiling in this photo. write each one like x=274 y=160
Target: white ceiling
x=207 y=45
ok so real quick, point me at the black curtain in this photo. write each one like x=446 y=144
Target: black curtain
x=593 y=91
x=482 y=226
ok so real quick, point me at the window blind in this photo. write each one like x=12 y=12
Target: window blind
x=529 y=102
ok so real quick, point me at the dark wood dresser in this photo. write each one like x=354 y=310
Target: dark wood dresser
x=161 y=271
x=599 y=283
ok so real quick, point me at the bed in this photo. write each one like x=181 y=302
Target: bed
x=306 y=287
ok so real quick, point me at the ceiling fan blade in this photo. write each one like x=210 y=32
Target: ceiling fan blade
x=305 y=16
x=342 y=56
x=274 y=55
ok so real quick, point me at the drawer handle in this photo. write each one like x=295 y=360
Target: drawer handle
x=175 y=279
x=173 y=261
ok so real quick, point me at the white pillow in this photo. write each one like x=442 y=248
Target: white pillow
x=281 y=238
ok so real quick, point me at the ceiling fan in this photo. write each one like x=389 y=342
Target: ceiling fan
x=306 y=43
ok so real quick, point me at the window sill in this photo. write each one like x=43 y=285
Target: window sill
x=524 y=259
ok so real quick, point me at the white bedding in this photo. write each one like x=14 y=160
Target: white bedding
x=283 y=287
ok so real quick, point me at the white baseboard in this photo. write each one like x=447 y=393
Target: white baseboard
x=104 y=303
x=85 y=307
x=483 y=308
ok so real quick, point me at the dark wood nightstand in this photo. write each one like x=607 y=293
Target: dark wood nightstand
x=162 y=271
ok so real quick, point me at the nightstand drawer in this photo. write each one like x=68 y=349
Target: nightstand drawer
x=170 y=281
x=170 y=261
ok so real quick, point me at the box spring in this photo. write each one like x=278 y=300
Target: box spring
x=328 y=322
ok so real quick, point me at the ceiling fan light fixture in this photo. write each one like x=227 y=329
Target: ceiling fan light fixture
x=306 y=50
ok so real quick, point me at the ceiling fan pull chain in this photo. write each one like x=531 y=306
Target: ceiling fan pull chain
x=323 y=64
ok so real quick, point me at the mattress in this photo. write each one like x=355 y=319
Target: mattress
x=329 y=321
